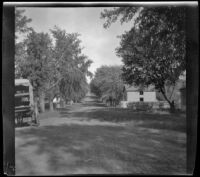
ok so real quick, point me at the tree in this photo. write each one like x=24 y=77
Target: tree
x=107 y=83
x=54 y=70
x=94 y=87
x=71 y=66
x=21 y=22
x=21 y=27
x=153 y=51
x=35 y=65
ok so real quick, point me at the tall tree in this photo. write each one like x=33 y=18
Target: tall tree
x=35 y=65
x=107 y=83
x=71 y=66
x=153 y=51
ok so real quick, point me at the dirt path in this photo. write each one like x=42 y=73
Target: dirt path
x=73 y=142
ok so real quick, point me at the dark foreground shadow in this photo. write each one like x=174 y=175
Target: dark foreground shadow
x=65 y=149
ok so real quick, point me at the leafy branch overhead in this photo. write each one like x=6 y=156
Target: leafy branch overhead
x=21 y=22
x=112 y=15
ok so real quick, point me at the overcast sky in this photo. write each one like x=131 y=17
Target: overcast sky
x=99 y=43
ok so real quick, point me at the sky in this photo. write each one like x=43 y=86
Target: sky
x=99 y=43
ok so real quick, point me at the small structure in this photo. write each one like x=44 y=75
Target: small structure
x=176 y=93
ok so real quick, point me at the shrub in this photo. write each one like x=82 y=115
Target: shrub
x=130 y=105
x=140 y=106
x=161 y=105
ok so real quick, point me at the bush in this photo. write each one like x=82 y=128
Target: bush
x=141 y=106
x=161 y=105
x=131 y=105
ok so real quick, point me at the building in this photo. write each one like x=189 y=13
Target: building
x=139 y=94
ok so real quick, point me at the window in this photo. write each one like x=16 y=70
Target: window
x=141 y=99
x=141 y=93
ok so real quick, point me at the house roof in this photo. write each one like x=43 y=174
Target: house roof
x=134 y=88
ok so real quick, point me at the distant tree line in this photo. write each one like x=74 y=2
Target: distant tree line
x=54 y=65
x=108 y=84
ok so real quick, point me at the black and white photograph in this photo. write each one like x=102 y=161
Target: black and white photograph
x=101 y=89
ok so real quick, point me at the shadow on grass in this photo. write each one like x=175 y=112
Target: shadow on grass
x=67 y=149
x=176 y=122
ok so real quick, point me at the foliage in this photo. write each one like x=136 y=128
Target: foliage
x=71 y=66
x=21 y=22
x=21 y=27
x=112 y=15
x=54 y=70
x=141 y=106
x=153 y=51
x=57 y=70
x=107 y=83
x=94 y=87
x=35 y=65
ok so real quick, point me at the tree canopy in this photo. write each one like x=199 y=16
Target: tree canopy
x=35 y=65
x=55 y=65
x=153 y=51
x=107 y=83
x=62 y=64
x=21 y=22
x=71 y=65
x=21 y=27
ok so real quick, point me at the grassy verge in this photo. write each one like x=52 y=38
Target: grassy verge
x=176 y=122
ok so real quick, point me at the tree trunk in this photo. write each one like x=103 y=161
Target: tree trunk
x=110 y=102
x=36 y=112
x=171 y=103
x=172 y=107
x=42 y=103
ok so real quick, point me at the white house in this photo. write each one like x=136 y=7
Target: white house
x=139 y=94
x=176 y=93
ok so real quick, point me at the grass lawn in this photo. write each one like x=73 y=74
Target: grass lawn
x=146 y=144
x=176 y=122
